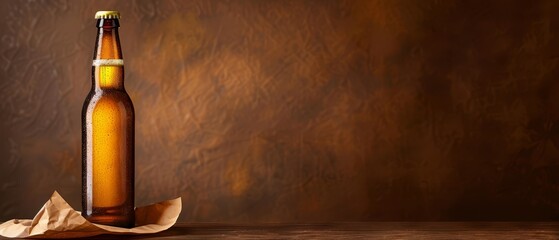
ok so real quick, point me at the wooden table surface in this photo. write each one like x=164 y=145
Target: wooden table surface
x=370 y=230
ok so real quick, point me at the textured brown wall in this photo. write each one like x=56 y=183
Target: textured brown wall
x=307 y=111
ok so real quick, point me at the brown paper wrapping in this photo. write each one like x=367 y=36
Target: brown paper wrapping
x=57 y=219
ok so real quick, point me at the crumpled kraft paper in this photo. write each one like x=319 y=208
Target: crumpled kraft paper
x=57 y=219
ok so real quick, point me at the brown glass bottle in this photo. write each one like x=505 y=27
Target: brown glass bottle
x=108 y=133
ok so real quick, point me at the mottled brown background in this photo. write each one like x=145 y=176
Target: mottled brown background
x=297 y=111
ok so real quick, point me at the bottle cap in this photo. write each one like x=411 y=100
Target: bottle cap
x=107 y=15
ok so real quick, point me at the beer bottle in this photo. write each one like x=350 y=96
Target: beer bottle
x=108 y=133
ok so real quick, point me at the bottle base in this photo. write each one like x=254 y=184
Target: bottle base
x=108 y=217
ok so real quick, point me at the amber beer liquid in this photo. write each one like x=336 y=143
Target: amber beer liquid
x=108 y=133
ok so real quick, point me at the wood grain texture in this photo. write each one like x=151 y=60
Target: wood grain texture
x=297 y=111
x=379 y=230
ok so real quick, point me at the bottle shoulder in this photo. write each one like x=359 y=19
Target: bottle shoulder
x=118 y=99
x=109 y=94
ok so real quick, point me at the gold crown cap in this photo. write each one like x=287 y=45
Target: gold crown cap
x=107 y=15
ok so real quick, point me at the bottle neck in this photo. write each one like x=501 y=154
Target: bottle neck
x=108 y=66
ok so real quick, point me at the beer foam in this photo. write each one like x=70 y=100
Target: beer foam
x=108 y=62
